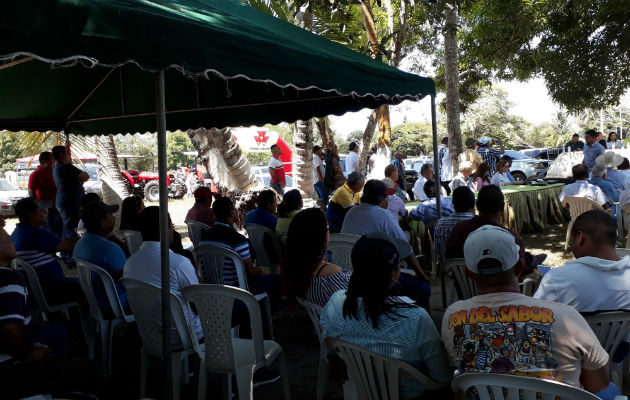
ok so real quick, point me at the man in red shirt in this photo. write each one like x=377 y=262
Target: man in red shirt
x=41 y=186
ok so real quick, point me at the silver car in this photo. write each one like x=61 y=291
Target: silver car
x=524 y=167
x=9 y=195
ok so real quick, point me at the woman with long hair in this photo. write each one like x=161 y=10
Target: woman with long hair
x=370 y=315
x=481 y=176
x=130 y=211
x=613 y=142
x=500 y=177
x=306 y=273
x=289 y=207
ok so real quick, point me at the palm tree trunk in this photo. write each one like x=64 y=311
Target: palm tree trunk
x=223 y=157
x=452 y=84
x=328 y=143
x=114 y=188
x=303 y=156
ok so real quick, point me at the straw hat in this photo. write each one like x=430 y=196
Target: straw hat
x=609 y=159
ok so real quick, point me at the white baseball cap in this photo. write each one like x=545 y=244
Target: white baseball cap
x=490 y=242
x=484 y=140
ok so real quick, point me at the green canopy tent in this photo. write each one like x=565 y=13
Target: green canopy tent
x=95 y=67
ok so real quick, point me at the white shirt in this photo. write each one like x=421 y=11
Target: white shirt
x=317 y=163
x=275 y=163
x=447 y=168
x=351 y=162
x=588 y=284
x=418 y=189
x=583 y=189
x=459 y=180
x=145 y=266
x=499 y=179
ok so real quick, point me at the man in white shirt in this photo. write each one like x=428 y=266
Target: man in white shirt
x=597 y=279
x=581 y=188
x=276 y=170
x=145 y=266
x=318 y=174
x=353 y=158
x=426 y=173
x=462 y=178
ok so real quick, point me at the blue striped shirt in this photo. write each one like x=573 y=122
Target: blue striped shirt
x=37 y=247
x=490 y=156
x=13 y=301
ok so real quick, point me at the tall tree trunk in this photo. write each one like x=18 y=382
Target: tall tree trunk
x=223 y=157
x=366 y=139
x=303 y=156
x=452 y=83
x=114 y=188
x=328 y=143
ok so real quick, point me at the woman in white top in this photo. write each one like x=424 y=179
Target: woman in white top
x=500 y=177
x=613 y=142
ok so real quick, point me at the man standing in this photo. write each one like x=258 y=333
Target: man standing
x=400 y=167
x=462 y=178
x=575 y=144
x=276 y=170
x=318 y=174
x=69 y=180
x=470 y=154
x=502 y=330
x=352 y=158
x=41 y=186
x=442 y=149
x=592 y=150
x=202 y=210
x=488 y=154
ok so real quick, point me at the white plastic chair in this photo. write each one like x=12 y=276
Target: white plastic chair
x=43 y=308
x=578 y=206
x=314 y=312
x=375 y=376
x=456 y=269
x=256 y=234
x=527 y=287
x=133 y=239
x=493 y=386
x=611 y=328
x=210 y=259
x=225 y=354
x=195 y=230
x=88 y=273
x=340 y=247
x=145 y=302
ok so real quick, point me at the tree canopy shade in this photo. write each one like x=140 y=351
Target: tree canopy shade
x=226 y=64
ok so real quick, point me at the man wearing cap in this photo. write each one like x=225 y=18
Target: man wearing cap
x=395 y=204
x=575 y=144
x=371 y=215
x=592 y=150
x=427 y=210
x=201 y=211
x=352 y=158
x=95 y=247
x=463 y=177
x=488 y=154
x=581 y=187
x=470 y=154
x=38 y=246
x=399 y=163
x=41 y=186
x=276 y=169
x=319 y=170
x=503 y=331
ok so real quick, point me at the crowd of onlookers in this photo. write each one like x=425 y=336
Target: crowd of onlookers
x=381 y=305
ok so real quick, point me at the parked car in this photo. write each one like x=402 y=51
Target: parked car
x=9 y=195
x=93 y=185
x=524 y=166
x=263 y=177
x=543 y=154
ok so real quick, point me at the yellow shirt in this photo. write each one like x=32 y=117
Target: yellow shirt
x=345 y=197
x=472 y=156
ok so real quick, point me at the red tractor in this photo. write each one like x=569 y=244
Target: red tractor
x=146 y=184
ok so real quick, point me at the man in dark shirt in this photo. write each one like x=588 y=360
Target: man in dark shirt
x=574 y=144
x=490 y=204
x=41 y=186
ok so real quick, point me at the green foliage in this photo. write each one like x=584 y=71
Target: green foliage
x=177 y=143
x=9 y=150
x=257 y=158
x=413 y=138
x=144 y=145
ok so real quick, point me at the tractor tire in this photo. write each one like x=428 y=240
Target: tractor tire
x=152 y=191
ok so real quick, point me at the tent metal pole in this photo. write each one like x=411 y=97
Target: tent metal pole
x=436 y=162
x=164 y=234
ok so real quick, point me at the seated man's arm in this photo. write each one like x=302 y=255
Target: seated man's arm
x=67 y=245
x=251 y=271
x=412 y=262
x=594 y=380
x=14 y=341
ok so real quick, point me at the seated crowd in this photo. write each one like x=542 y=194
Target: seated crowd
x=376 y=305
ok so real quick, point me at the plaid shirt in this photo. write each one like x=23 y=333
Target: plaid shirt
x=490 y=156
x=443 y=229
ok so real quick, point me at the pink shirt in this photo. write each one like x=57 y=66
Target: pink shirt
x=201 y=214
x=479 y=183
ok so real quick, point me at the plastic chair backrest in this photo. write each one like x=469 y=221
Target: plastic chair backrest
x=145 y=301
x=375 y=376
x=214 y=305
x=33 y=283
x=622 y=252
x=465 y=287
x=493 y=386
x=86 y=271
x=314 y=312
x=133 y=239
x=211 y=259
x=611 y=328
x=256 y=234
x=195 y=230
x=580 y=205
x=527 y=287
x=340 y=247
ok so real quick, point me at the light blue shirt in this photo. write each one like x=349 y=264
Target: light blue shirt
x=367 y=218
x=617 y=178
x=591 y=153
x=409 y=336
x=107 y=255
x=607 y=187
x=427 y=210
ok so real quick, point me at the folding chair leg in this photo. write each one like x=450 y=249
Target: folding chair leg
x=176 y=363
x=322 y=376
x=144 y=367
x=202 y=383
x=284 y=375
x=106 y=343
x=245 y=382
